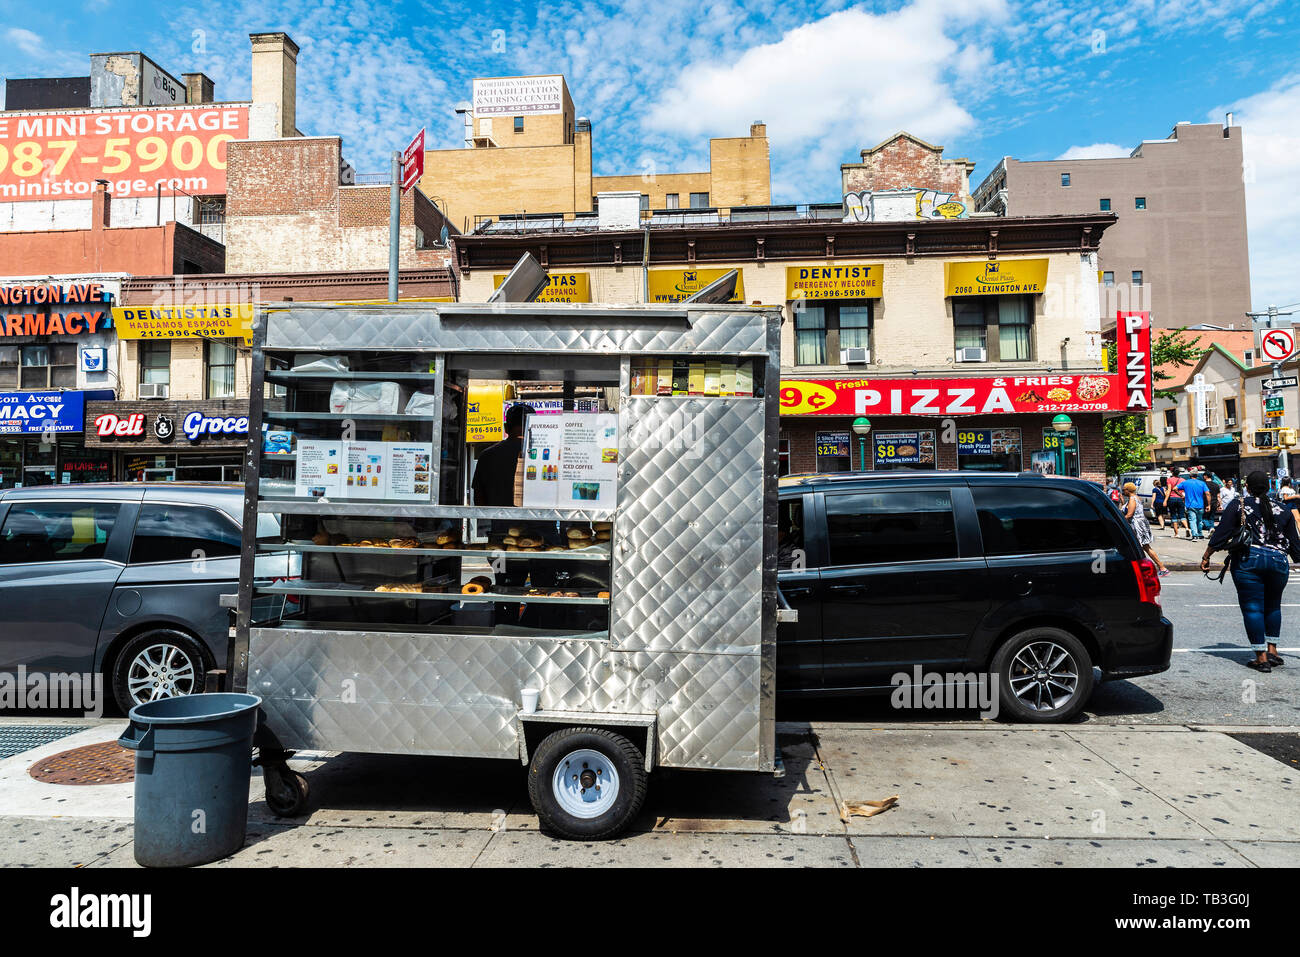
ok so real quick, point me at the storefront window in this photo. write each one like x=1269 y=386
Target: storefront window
x=221 y=368
x=155 y=362
x=825 y=331
x=810 y=334
x=48 y=366
x=1003 y=325
x=982 y=449
x=833 y=452
x=8 y=367
x=1065 y=445
x=903 y=451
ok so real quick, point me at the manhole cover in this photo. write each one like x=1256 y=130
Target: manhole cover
x=107 y=763
x=17 y=738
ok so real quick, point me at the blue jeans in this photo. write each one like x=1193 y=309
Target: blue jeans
x=1195 y=516
x=1260 y=578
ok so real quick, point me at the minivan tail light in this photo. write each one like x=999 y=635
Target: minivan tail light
x=1148 y=581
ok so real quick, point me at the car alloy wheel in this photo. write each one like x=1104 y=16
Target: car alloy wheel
x=160 y=671
x=1044 y=676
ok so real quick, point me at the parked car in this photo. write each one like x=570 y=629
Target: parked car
x=124 y=580
x=1033 y=579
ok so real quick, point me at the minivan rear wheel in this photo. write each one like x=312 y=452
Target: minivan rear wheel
x=162 y=663
x=1044 y=676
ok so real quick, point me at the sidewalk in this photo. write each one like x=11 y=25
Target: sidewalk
x=970 y=794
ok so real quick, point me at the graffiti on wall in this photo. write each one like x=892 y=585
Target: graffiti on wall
x=893 y=205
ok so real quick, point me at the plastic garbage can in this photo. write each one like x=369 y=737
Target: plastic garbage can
x=193 y=759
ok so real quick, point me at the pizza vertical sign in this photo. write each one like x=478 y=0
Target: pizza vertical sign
x=1133 y=353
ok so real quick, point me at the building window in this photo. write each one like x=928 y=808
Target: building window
x=645 y=201
x=1229 y=412
x=824 y=331
x=699 y=200
x=1065 y=179
x=1105 y=206
x=1250 y=357
x=519 y=124
x=1137 y=277
x=40 y=367
x=1171 y=421
x=1139 y=202
x=1108 y=278
x=671 y=201
x=1001 y=325
x=156 y=362
x=220 y=360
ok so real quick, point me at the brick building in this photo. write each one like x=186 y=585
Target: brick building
x=527 y=152
x=290 y=210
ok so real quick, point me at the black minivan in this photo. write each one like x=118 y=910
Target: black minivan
x=1032 y=579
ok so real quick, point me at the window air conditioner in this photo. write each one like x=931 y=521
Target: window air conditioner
x=1229 y=423
x=855 y=357
x=1170 y=430
x=153 y=390
x=972 y=355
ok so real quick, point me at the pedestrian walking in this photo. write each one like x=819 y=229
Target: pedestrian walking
x=1177 y=509
x=1137 y=518
x=1226 y=495
x=1213 y=507
x=1159 y=499
x=1257 y=558
x=1195 y=493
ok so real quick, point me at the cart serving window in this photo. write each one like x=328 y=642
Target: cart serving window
x=612 y=609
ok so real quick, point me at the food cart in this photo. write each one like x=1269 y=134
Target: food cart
x=625 y=614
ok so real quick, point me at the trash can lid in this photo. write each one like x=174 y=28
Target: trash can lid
x=194 y=708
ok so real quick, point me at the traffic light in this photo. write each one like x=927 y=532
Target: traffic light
x=1286 y=437
x=1266 y=439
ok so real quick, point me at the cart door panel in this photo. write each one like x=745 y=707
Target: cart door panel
x=896 y=590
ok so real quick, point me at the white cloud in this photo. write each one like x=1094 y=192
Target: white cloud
x=25 y=40
x=834 y=85
x=1271 y=142
x=1096 y=151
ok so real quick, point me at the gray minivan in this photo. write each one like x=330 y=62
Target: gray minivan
x=123 y=580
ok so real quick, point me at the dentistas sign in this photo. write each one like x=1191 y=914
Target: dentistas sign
x=984 y=396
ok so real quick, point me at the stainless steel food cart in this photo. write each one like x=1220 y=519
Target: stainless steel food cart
x=682 y=674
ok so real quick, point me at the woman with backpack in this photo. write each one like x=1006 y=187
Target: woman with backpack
x=1259 y=535
x=1159 y=496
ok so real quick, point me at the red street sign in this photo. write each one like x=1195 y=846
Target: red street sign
x=413 y=162
x=1134 y=358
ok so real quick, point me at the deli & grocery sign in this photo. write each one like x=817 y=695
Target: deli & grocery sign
x=984 y=396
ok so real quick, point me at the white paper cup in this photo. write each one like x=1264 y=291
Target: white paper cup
x=529 y=696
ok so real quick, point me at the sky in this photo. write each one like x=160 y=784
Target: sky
x=1033 y=79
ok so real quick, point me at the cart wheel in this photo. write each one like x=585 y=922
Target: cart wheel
x=286 y=791
x=586 y=783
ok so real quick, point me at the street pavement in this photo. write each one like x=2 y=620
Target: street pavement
x=1196 y=766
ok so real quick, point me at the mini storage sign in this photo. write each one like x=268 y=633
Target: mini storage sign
x=41 y=412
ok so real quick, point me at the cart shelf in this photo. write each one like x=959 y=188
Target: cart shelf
x=344 y=590
x=386 y=508
x=590 y=554
x=286 y=376
x=340 y=416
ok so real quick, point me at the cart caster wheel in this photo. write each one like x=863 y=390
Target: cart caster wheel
x=587 y=783
x=286 y=791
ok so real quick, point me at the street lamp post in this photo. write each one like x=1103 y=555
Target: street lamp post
x=1061 y=424
x=861 y=427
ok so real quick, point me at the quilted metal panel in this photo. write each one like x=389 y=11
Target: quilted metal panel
x=423 y=694
x=518 y=328
x=688 y=566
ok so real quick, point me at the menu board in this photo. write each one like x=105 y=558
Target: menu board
x=409 y=468
x=904 y=448
x=366 y=469
x=975 y=442
x=394 y=471
x=571 y=460
x=833 y=443
x=320 y=468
